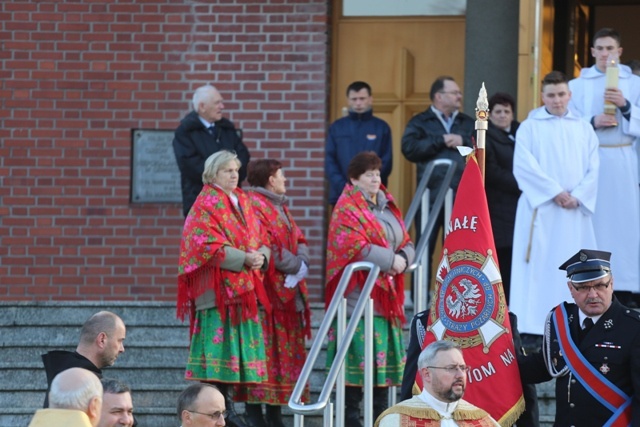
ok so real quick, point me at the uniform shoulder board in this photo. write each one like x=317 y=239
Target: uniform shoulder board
x=634 y=314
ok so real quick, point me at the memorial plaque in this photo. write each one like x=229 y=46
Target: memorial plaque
x=155 y=177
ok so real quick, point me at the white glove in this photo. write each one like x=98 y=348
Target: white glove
x=290 y=281
x=303 y=272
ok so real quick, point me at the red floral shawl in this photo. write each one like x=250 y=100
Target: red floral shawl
x=281 y=235
x=353 y=227
x=213 y=223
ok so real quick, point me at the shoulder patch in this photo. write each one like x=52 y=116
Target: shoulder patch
x=634 y=314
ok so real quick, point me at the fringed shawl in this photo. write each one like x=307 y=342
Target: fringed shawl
x=282 y=233
x=213 y=223
x=352 y=229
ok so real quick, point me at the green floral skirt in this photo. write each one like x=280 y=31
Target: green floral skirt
x=222 y=352
x=389 y=354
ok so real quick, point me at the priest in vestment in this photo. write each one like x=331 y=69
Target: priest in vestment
x=444 y=378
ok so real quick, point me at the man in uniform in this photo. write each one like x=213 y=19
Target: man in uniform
x=592 y=348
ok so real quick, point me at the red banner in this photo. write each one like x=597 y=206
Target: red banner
x=469 y=305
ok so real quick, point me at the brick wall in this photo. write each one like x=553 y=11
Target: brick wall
x=77 y=76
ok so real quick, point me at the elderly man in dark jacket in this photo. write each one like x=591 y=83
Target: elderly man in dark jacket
x=201 y=133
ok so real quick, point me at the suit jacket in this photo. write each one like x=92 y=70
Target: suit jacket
x=60 y=418
x=612 y=346
x=193 y=144
x=529 y=418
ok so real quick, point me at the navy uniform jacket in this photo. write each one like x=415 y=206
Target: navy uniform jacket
x=612 y=346
x=418 y=330
x=349 y=136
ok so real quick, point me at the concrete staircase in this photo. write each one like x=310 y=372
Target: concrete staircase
x=153 y=363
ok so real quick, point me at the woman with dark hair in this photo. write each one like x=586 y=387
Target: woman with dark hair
x=366 y=225
x=501 y=186
x=222 y=259
x=289 y=322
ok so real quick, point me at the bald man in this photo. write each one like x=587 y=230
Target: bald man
x=101 y=342
x=201 y=405
x=75 y=399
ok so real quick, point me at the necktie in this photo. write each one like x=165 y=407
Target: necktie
x=587 y=325
x=212 y=131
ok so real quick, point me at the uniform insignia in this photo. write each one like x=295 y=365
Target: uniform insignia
x=560 y=353
x=608 y=324
x=608 y=345
x=371 y=136
x=570 y=318
x=604 y=369
x=583 y=257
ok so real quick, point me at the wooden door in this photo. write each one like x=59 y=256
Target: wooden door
x=399 y=57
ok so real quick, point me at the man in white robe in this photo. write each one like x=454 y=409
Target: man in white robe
x=444 y=378
x=556 y=166
x=616 y=218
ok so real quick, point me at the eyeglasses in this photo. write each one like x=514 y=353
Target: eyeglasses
x=452 y=92
x=452 y=369
x=586 y=289
x=215 y=416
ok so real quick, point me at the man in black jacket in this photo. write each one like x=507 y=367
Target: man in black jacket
x=435 y=134
x=201 y=133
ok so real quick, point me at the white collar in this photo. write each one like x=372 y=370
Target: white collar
x=206 y=123
x=582 y=316
x=444 y=408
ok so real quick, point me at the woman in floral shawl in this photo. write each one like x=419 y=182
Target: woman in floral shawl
x=222 y=259
x=289 y=322
x=366 y=225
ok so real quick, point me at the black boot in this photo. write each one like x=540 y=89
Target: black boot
x=352 y=399
x=253 y=415
x=380 y=401
x=274 y=416
x=233 y=419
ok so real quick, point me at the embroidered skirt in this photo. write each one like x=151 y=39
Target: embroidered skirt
x=389 y=354
x=221 y=352
x=286 y=354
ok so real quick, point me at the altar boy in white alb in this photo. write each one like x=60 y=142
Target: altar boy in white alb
x=615 y=219
x=556 y=165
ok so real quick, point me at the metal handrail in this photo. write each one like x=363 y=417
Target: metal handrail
x=363 y=306
x=421 y=199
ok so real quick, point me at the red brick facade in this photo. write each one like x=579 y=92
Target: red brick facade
x=77 y=76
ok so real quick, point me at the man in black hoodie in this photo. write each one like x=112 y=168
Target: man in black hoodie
x=202 y=133
x=101 y=342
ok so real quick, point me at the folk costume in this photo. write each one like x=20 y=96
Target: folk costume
x=617 y=184
x=289 y=323
x=424 y=410
x=552 y=154
x=219 y=293
x=362 y=229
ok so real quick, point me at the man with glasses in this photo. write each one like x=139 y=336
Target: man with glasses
x=592 y=348
x=435 y=134
x=201 y=405
x=444 y=378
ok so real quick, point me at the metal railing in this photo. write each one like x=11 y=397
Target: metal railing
x=344 y=336
x=364 y=307
x=420 y=265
